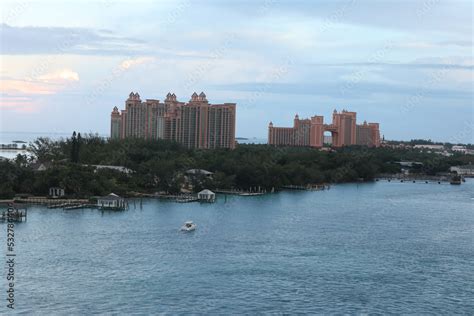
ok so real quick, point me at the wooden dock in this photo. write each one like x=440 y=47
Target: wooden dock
x=14 y=215
x=251 y=192
x=414 y=178
x=187 y=199
x=78 y=206
x=66 y=204
x=308 y=187
x=47 y=201
x=180 y=198
x=231 y=192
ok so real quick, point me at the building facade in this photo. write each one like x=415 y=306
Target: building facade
x=368 y=134
x=310 y=132
x=196 y=124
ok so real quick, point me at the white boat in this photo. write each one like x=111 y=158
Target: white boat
x=188 y=226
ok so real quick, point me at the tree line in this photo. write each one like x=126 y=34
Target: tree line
x=160 y=166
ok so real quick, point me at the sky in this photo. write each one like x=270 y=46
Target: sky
x=406 y=64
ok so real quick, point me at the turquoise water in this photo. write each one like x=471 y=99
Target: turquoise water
x=368 y=248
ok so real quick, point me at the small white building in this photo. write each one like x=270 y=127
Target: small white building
x=199 y=172
x=56 y=192
x=121 y=169
x=461 y=149
x=466 y=170
x=40 y=166
x=428 y=146
x=206 y=196
x=111 y=201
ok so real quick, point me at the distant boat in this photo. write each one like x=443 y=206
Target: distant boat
x=188 y=226
x=456 y=179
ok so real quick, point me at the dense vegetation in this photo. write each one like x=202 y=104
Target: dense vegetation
x=161 y=165
x=414 y=142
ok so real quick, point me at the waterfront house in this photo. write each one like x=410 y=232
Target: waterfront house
x=429 y=147
x=466 y=170
x=193 y=177
x=460 y=149
x=408 y=167
x=121 y=169
x=40 y=166
x=111 y=201
x=206 y=196
x=199 y=173
x=56 y=192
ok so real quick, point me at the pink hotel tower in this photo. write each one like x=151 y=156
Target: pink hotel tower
x=310 y=132
x=196 y=124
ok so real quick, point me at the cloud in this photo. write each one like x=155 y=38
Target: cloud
x=417 y=45
x=461 y=62
x=60 y=76
x=362 y=90
x=26 y=87
x=430 y=15
x=421 y=64
x=64 y=40
x=48 y=83
x=130 y=63
x=430 y=45
x=18 y=94
x=21 y=104
x=460 y=43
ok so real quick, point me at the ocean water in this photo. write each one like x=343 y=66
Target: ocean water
x=6 y=137
x=9 y=137
x=356 y=248
x=253 y=140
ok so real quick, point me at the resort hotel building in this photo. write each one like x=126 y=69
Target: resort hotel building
x=195 y=124
x=310 y=132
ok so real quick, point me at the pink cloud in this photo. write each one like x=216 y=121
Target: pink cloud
x=25 y=87
x=18 y=104
x=60 y=76
x=18 y=94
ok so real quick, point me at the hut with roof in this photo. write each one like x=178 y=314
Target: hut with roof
x=111 y=201
x=206 y=196
x=56 y=192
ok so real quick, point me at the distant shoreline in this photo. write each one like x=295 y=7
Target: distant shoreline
x=13 y=149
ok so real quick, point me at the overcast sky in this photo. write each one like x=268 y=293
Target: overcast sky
x=405 y=64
